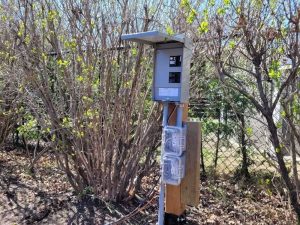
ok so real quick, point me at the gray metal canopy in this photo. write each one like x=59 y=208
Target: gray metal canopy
x=153 y=37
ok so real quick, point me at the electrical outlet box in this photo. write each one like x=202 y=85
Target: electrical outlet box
x=173 y=169
x=174 y=140
x=172 y=59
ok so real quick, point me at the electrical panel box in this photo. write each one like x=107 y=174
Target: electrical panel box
x=174 y=140
x=171 y=71
x=173 y=169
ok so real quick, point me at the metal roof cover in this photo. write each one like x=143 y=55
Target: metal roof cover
x=152 y=37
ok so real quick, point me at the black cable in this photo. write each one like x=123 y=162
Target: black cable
x=172 y=113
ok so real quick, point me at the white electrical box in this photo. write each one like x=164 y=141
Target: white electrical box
x=174 y=140
x=172 y=59
x=173 y=168
x=171 y=83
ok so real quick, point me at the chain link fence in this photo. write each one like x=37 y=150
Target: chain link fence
x=233 y=143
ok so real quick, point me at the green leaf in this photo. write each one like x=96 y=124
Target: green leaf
x=211 y=2
x=63 y=63
x=203 y=28
x=226 y=2
x=273 y=4
x=67 y=123
x=52 y=14
x=232 y=44
x=80 y=78
x=71 y=44
x=279 y=124
x=169 y=30
x=249 y=131
x=185 y=4
x=296 y=106
x=280 y=50
x=274 y=72
x=221 y=11
x=192 y=16
x=134 y=51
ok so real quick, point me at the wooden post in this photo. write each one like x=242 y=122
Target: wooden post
x=190 y=185
x=187 y=193
x=174 y=204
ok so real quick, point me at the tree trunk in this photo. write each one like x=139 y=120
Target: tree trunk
x=202 y=164
x=294 y=164
x=244 y=169
x=282 y=167
x=218 y=141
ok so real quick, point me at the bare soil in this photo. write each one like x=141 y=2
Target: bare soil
x=47 y=198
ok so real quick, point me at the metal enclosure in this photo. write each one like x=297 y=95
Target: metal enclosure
x=172 y=60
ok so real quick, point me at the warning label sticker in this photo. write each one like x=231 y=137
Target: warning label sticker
x=169 y=92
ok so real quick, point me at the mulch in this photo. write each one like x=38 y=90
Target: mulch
x=47 y=198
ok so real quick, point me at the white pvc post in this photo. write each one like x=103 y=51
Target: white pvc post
x=179 y=115
x=161 y=201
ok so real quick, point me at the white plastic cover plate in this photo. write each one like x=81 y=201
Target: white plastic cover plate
x=174 y=140
x=173 y=169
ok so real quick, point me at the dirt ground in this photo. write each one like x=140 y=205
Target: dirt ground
x=47 y=198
